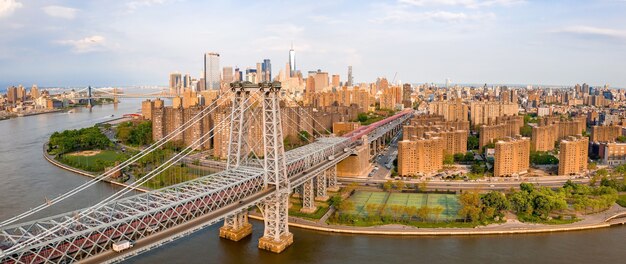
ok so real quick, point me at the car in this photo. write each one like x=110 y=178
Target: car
x=491 y=185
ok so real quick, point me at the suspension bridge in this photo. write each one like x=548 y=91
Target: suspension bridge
x=267 y=182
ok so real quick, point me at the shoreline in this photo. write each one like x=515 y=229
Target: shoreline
x=386 y=231
x=82 y=172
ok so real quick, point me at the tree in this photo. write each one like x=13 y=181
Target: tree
x=459 y=157
x=387 y=185
x=526 y=130
x=477 y=168
x=472 y=142
x=410 y=211
x=469 y=157
x=362 y=117
x=437 y=210
x=396 y=210
x=346 y=206
x=423 y=186
x=400 y=185
x=372 y=211
x=448 y=159
x=496 y=200
x=592 y=165
x=470 y=205
x=423 y=213
x=621 y=139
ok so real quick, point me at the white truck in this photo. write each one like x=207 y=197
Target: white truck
x=122 y=245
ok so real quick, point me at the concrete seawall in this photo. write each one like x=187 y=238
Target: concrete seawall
x=445 y=231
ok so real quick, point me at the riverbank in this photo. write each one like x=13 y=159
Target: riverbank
x=511 y=227
x=54 y=162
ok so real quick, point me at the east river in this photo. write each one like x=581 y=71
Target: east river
x=27 y=180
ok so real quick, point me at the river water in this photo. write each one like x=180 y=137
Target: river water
x=26 y=179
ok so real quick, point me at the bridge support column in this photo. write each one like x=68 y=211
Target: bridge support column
x=331 y=176
x=320 y=194
x=236 y=227
x=308 y=203
x=297 y=192
x=276 y=235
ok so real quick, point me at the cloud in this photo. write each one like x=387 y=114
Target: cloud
x=402 y=15
x=463 y=3
x=60 y=11
x=587 y=31
x=7 y=7
x=326 y=19
x=84 y=45
x=134 y=5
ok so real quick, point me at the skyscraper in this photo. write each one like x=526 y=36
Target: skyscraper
x=349 y=76
x=227 y=74
x=292 y=62
x=266 y=71
x=176 y=83
x=212 y=71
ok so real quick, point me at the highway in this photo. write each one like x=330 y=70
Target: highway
x=462 y=185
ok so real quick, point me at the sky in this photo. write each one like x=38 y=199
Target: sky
x=139 y=42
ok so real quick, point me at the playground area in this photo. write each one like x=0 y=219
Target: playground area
x=385 y=202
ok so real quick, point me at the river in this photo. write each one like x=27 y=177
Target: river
x=26 y=180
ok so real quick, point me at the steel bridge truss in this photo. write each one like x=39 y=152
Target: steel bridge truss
x=130 y=218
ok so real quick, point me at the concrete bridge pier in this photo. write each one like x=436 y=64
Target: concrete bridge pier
x=236 y=227
x=308 y=202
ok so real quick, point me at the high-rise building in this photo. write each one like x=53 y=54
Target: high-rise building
x=573 y=155
x=336 y=81
x=406 y=95
x=350 y=80
x=454 y=110
x=212 y=74
x=482 y=112
x=266 y=70
x=34 y=92
x=605 y=133
x=512 y=157
x=238 y=75
x=227 y=74
x=420 y=156
x=292 y=62
x=259 y=73
x=176 y=83
x=187 y=81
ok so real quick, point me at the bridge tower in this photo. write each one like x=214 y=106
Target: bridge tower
x=237 y=226
x=89 y=98
x=276 y=235
x=115 y=99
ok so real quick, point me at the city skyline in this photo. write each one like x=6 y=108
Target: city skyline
x=474 y=41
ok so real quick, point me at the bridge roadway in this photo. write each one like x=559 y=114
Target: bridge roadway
x=210 y=198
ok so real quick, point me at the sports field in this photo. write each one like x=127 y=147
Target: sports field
x=385 y=201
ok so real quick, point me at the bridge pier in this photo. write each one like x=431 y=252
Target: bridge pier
x=331 y=176
x=297 y=192
x=236 y=227
x=308 y=202
x=320 y=194
x=276 y=236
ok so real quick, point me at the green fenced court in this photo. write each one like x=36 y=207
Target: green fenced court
x=384 y=202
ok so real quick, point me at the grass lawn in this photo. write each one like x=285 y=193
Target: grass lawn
x=174 y=175
x=93 y=163
x=296 y=205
